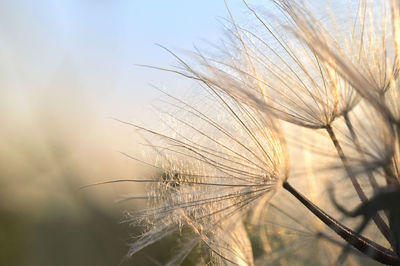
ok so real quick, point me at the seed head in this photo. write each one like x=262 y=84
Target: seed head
x=210 y=172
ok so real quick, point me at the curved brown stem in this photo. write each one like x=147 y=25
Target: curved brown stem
x=363 y=244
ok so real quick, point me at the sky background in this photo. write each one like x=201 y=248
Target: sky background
x=95 y=44
x=67 y=66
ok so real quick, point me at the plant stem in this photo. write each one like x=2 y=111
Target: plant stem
x=392 y=170
x=363 y=244
x=346 y=165
x=356 y=142
x=380 y=223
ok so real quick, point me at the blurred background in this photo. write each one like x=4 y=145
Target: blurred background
x=66 y=68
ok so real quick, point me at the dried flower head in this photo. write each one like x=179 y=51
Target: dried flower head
x=225 y=154
x=276 y=73
x=208 y=181
x=368 y=59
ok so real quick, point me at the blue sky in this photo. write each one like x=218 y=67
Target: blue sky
x=95 y=44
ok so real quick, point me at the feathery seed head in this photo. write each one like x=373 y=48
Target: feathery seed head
x=212 y=171
x=366 y=58
x=274 y=72
x=227 y=152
